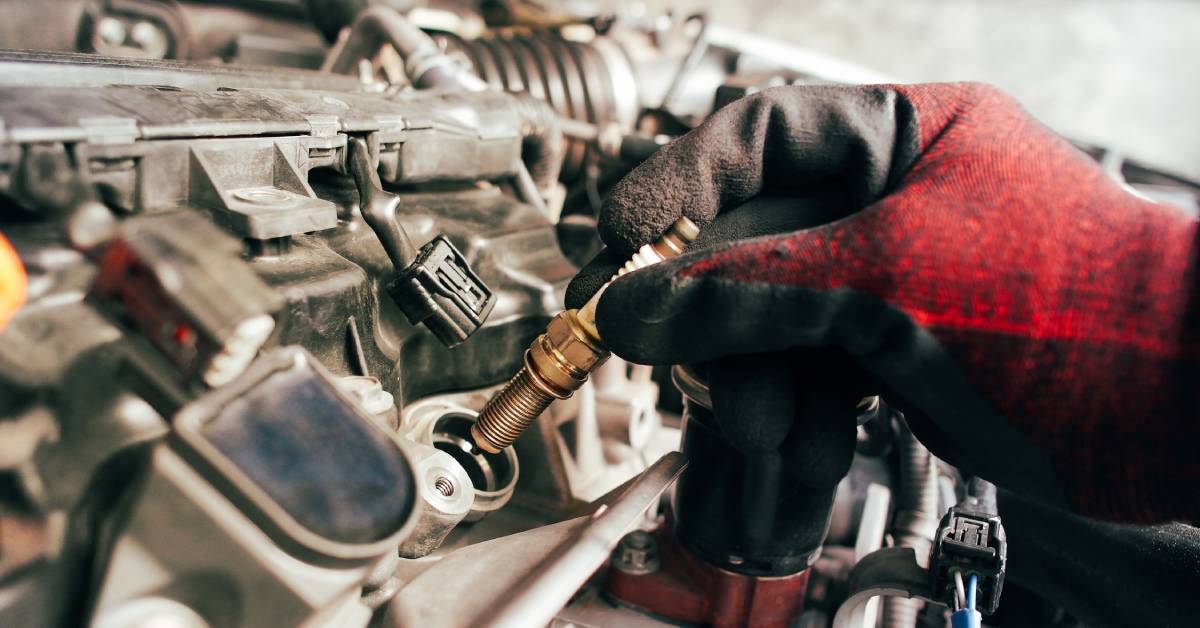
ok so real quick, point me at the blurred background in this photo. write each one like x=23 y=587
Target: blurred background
x=1118 y=73
x=1121 y=73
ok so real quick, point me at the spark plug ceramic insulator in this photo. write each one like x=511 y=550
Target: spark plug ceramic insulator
x=558 y=362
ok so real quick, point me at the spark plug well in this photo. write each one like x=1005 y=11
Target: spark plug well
x=558 y=362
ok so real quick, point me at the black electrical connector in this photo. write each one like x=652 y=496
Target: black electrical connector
x=440 y=290
x=970 y=540
x=181 y=283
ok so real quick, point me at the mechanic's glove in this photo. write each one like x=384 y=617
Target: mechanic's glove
x=1034 y=319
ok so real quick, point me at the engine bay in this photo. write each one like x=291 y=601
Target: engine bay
x=267 y=298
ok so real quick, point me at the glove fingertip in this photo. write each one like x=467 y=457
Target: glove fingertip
x=668 y=185
x=635 y=316
x=630 y=219
x=592 y=277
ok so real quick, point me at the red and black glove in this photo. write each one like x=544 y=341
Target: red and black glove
x=1035 y=321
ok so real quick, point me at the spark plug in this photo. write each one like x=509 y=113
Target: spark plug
x=558 y=362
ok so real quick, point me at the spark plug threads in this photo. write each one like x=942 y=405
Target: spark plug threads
x=558 y=362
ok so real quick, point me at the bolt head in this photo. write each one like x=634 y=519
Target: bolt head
x=637 y=554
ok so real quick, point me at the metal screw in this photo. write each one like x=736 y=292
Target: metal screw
x=636 y=554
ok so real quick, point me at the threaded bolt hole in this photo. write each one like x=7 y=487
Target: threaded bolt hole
x=444 y=485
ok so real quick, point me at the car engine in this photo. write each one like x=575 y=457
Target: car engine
x=280 y=254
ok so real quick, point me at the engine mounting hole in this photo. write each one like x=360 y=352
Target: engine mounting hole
x=444 y=485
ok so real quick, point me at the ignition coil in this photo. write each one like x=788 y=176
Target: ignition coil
x=558 y=362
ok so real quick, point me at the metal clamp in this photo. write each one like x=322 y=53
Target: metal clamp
x=891 y=571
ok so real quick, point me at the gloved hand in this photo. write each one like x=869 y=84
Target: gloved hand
x=1034 y=320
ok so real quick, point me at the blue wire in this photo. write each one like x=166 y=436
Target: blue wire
x=968 y=617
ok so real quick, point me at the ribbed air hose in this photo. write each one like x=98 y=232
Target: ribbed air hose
x=916 y=519
x=578 y=79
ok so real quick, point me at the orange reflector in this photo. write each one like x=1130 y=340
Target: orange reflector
x=12 y=282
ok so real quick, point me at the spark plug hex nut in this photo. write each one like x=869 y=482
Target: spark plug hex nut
x=567 y=349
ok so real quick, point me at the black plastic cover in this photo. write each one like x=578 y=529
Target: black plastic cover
x=309 y=450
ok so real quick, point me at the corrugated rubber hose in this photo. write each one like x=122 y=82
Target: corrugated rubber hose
x=916 y=519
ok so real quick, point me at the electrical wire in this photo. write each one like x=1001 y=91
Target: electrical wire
x=965 y=616
x=960 y=595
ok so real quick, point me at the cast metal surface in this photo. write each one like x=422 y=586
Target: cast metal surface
x=684 y=587
x=445 y=495
x=581 y=449
x=559 y=361
x=589 y=82
x=551 y=584
x=524 y=579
